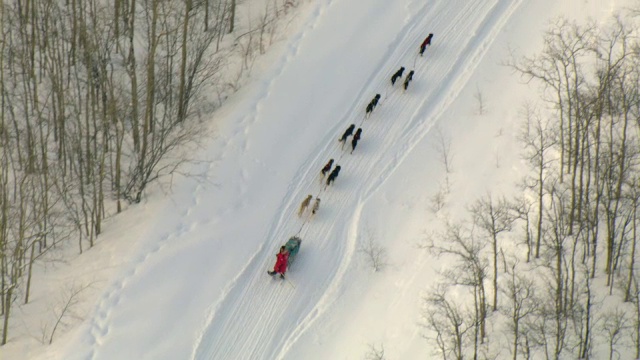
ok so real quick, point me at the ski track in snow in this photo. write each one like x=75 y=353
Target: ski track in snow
x=253 y=319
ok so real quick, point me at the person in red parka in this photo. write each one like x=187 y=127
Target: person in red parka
x=281 y=262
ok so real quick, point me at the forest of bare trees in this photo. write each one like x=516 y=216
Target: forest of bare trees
x=98 y=100
x=554 y=272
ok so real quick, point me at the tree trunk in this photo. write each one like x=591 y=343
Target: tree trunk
x=182 y=97
x=232 y=16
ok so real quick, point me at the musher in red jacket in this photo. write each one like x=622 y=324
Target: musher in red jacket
x=281 y=262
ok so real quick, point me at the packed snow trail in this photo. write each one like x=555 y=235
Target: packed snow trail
x=259 y=318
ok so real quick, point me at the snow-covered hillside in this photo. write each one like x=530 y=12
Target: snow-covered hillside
x=194 y=285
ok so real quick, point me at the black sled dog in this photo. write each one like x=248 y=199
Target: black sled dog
x=347 y=133
x=372 y=105
x=334 y=174
x=426 y=42
x=397 y=75
x=356 y=138
x=327 y=167
x=408 y=79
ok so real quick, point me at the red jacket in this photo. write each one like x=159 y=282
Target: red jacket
x=281 y=263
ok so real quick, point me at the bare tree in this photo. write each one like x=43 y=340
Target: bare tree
x=555 y=250
x=443 y=147
x=635 y=333
x=375 y=353
x=232 y=15
x=615 y=324
x=538 y=140
x=635 y=204
x=522 y=303
x=374 y=253
x=66 y=308
x=493 y=218
x=480 y=103
x=521 y=207
x=447 y=323
x=583 y=315
x=439 y=199
x=469 y=269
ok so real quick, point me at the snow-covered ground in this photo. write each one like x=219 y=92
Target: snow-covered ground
x=183 y=275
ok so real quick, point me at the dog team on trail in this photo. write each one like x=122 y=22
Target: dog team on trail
x=283 y=256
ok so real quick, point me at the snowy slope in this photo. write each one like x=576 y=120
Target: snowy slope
x=196 y=285
x=244 y=324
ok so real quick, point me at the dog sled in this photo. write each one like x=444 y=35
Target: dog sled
x=292 y=246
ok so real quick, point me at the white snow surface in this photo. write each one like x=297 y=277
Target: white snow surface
x=183 y=275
